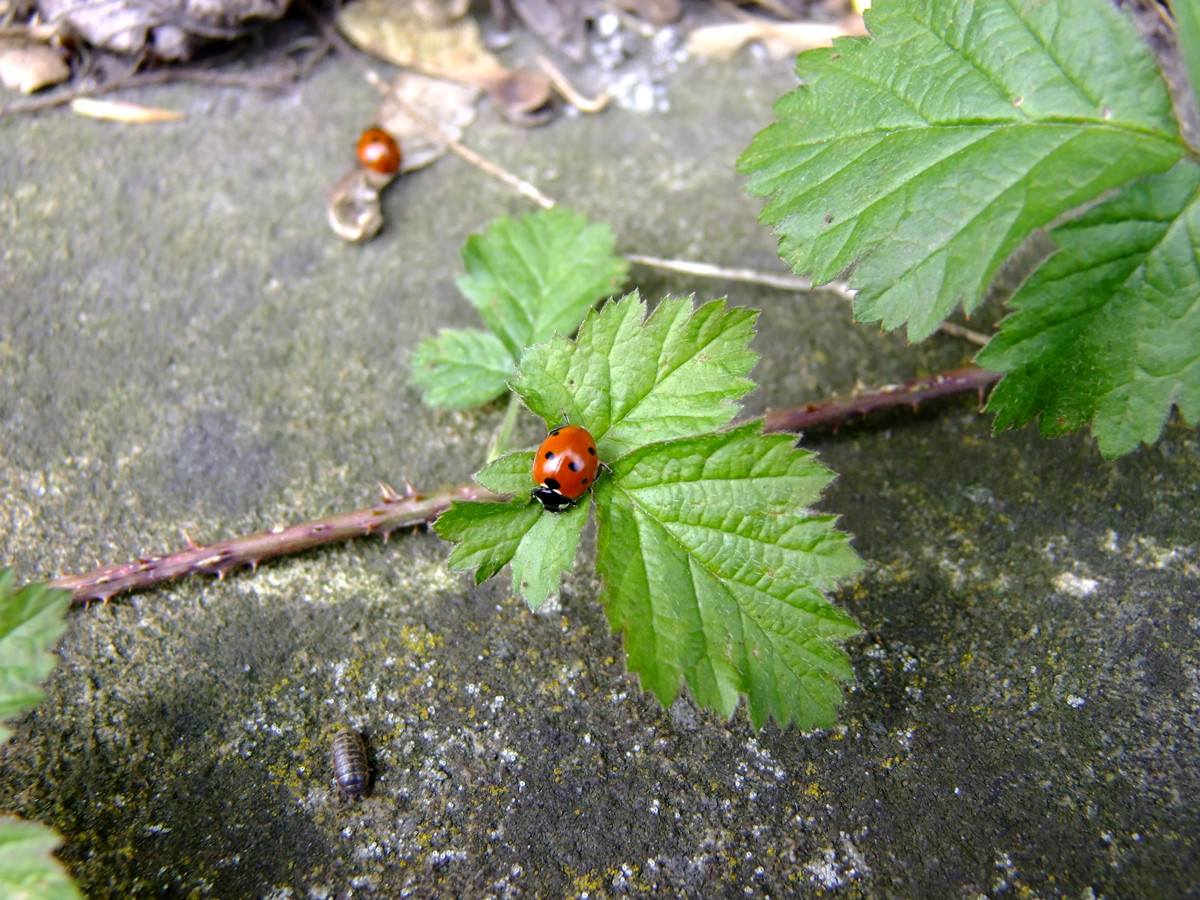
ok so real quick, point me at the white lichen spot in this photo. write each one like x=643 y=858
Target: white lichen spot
x=1076 y=586
x=1075 y=702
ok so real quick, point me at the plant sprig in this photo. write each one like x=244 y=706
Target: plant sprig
x=713 y=565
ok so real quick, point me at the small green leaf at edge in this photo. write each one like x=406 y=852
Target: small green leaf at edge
x=539 y=274
x=732 y=598
x=487 y=534
x=632 y=380
x=31 y=621
x=510 y=474
x=547 y=550
x=1107 y=329
x=925 y=191
x=461 y=367
x=28 y=868
x=1187 y=31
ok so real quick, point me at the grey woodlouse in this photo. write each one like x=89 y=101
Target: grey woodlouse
x=351 y=770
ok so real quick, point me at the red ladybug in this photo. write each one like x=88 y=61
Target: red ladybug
x=565 y=467
x=378 y=151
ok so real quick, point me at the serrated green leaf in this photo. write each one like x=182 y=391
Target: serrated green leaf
x=1109 y=327
x=923 y=156
x=539 y=274
x=31 y=621
x=547 y=550
x=487 y=534
x=511 y=474
x=28 y=870
x=631 y=381
x=717 y=573
x=461 y=367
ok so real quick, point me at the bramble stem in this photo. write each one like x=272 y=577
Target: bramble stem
x=396 y=511
x=403 y=510
x=916 y=390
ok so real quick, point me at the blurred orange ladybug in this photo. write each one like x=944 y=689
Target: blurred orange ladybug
x=565 y=467
x=379 y=152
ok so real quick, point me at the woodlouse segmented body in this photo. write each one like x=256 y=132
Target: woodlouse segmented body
x=350 y=768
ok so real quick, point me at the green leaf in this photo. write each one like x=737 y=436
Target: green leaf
x=631 y=380
x=28 y=869
x=487 y=534
x=548 y=549
x=1108 y=329
x=540 y=274
x=921 y=157
x=461 y=367
x=717 y=573
x=1187 y=32
x=511 y=474
x=31 y=621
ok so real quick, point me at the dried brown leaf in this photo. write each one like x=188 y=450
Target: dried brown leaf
x=448 y=106
x=395 y=31
x=30 y=68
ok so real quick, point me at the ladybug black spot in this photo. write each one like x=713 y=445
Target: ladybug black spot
x=592 y=450
x=573 y=466
x=584 y=481
x=549 y=454
x=552 y=483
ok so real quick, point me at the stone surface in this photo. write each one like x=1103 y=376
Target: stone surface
x=185 y=346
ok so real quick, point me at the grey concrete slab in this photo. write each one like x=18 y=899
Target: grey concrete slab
x=185 y=346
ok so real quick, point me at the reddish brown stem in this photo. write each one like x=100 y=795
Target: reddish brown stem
x=396 y=511
x=912 y=392
x=399 y=511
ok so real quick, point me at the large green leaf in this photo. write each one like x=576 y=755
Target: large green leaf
x=716 y=571
x=921 y=157
x=630 y=380
x=1109 y=327
x=31 y=621
x=28 y=870
x=538 y=275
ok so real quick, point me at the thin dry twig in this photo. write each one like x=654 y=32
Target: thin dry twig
x=373 y=78
x=784 y=281
x=967 y=334
x=564 y=87
x=917 y=390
